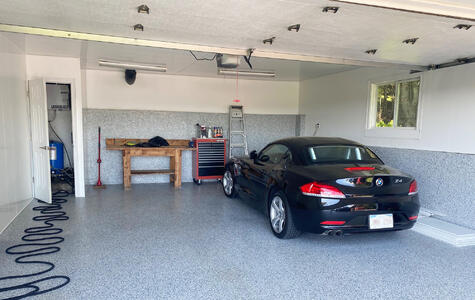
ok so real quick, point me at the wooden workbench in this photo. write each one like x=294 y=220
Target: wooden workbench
x=173 y=151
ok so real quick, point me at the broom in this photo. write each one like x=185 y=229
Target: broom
x=99 y=184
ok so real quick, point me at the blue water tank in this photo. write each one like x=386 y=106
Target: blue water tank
x=56 y=156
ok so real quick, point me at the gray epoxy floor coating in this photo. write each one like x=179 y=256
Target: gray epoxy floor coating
x=155 y=242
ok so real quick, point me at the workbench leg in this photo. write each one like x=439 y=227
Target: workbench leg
x=177 y=168
x=172 y=167
x=127 y=169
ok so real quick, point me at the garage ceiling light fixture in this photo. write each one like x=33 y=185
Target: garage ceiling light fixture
x=138 y=27
x=463 y=26
x=269 y=40
x=332 y=9
x=132 y=66
x=410 y=41
x=295 y=27
x=246 y=73
x=143 y=9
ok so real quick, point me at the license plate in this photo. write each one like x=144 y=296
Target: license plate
x=381 y=221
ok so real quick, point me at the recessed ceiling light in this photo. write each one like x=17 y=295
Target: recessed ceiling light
x=371 y=51
x=410 y=41
x=463 y=26
x=138 y=27
x=143 y=9
x=295 y=27
x=269 y=40
x=332 y=9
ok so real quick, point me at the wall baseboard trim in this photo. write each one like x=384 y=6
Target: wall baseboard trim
x=23 y=204
x=455 y=235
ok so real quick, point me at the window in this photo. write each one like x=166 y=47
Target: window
x=341 y=154
x=395 y=104
x=274 y=154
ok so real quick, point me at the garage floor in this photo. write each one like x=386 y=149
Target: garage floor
x=156 y=242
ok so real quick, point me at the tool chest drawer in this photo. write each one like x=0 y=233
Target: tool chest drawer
x=209 y=159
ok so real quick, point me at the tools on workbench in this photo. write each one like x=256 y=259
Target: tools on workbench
x=99 y=184
x=204 y=132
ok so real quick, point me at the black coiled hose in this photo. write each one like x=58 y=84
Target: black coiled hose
x=38 y=241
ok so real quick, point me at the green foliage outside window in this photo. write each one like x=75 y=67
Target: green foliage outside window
x=397 y=103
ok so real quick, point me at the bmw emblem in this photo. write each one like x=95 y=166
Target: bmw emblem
x=379 y=182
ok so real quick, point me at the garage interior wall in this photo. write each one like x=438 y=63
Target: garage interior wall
x=15 y=169
x=170 y=106
x=442 y=158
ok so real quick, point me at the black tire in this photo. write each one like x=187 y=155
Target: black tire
x=289 y=230
x=228 y=177
x=197 y=181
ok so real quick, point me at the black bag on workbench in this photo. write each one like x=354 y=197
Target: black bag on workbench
x=157 y=141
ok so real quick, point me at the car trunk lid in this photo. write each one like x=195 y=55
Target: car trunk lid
x=360 y=179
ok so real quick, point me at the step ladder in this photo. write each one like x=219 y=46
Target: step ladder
x=237 y=132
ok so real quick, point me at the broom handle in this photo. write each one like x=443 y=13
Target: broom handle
x=99 y=142
x=99 y=183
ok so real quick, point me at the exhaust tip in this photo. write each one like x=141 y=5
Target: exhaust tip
x=338 y=233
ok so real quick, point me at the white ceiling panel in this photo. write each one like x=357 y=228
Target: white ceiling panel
x=178 y=62
x=244 y=24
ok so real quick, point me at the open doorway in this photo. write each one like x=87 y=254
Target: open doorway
x=60 y=129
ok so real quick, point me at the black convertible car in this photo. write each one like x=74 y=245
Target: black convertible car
x=324 y=185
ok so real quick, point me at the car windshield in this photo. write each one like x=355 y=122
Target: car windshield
x=341 y=154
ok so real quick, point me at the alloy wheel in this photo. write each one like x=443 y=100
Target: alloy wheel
x=277 y=214
x=228 y=183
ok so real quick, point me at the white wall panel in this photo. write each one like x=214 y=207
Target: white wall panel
x=339 y=103
x=15 y=170
x=108 y=90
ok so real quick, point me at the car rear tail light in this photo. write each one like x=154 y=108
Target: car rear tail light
x=413 y=218
x=353 y=169
x=321 y=190
x=332 y=223
x=413 y=188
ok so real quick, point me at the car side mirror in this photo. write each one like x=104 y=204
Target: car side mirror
x=253 y=154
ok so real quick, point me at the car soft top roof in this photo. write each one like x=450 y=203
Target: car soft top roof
x=297 y=144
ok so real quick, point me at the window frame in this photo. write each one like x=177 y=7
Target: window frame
x=270 y=146
x=372 y=130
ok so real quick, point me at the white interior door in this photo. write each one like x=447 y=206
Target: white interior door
x=40 y=140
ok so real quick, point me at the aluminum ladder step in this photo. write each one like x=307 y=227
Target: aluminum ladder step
x=237 y=133
x=238 y=145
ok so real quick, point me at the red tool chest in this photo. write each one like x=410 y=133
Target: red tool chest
x=208 y=159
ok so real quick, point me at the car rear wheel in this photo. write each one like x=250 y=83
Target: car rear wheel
x=228 y=184
x=280 y=217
